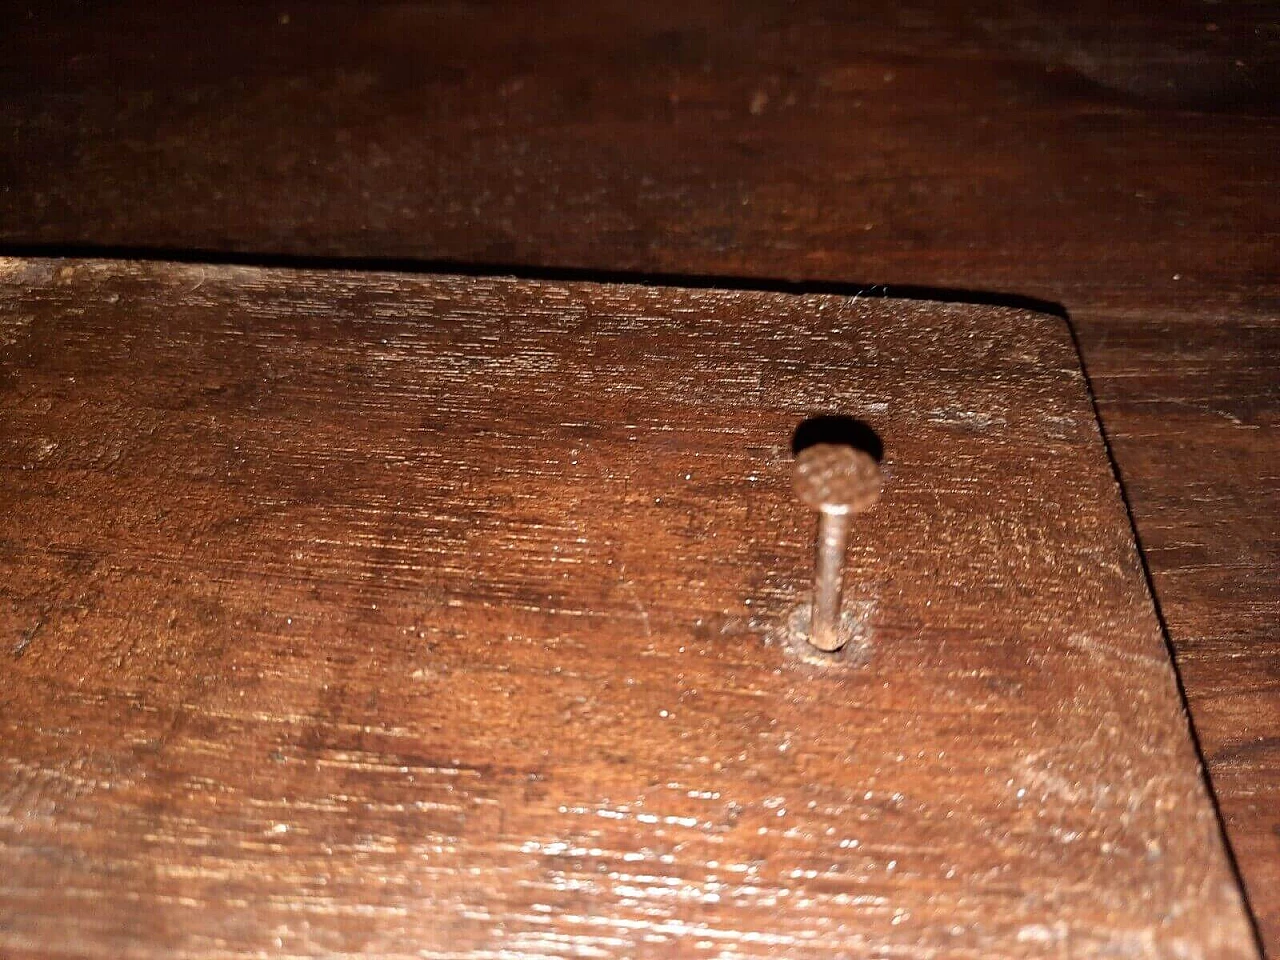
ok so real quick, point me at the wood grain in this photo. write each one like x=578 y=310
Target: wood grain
x=1200 y=471
x=1120 y=162
x=368 y=613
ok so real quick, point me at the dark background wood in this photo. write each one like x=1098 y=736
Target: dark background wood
x=1120 y=164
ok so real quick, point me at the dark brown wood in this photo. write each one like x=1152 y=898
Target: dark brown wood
x=1200 y=470
x=423 y=616
x=1121 y=162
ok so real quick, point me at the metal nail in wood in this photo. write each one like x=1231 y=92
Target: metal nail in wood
x=837 y=481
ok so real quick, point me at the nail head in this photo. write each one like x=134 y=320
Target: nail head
x=835 y=478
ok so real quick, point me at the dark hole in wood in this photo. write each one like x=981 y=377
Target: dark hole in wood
x=837 y=428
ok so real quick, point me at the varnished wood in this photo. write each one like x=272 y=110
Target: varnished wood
x=1121 y=162
x=446 y=617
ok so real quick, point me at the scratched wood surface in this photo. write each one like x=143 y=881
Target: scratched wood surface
x=1120 y=161
x=414 y=616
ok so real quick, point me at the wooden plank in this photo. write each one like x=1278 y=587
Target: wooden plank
x=1014 y=147
x=1199 y=466
x=431 y=616
x=1121 y=162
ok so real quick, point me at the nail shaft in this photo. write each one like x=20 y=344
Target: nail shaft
x=833 y=539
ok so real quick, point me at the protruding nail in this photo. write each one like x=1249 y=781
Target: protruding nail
x=837 y=481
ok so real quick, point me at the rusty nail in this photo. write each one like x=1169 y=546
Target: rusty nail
x=837 y=481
